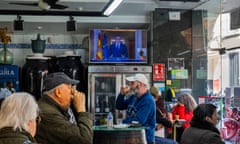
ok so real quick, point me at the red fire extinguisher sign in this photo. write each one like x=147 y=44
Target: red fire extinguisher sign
x=158 y=72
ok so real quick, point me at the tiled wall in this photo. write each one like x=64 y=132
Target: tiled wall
x=55 y=45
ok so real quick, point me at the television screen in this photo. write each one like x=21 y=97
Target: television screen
x=115 y=46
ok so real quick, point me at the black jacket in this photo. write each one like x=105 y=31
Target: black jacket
x=162 y=120
x=55 y=127
x=9 y=136
x=201 y=132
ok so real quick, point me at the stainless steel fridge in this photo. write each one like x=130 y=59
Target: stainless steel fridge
x=104 y=85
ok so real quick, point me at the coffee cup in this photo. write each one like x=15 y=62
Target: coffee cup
x=125 y=90
x=176 y=117
x=119 y=121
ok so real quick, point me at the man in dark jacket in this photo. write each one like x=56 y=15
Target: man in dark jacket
x=118 y=49
x=203 y=129
x=58 y=123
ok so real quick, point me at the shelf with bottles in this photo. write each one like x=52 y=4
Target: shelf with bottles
x=104 y=104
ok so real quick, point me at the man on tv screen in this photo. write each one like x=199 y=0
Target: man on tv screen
x=118 y=49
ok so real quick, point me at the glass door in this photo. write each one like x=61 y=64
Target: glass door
x=103 y=95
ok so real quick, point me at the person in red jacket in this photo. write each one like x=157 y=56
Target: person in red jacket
x=183 y=110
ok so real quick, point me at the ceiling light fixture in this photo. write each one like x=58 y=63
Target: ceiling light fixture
x=43 y=5
x=71 y=24
x=111 y=7
x=18 y=23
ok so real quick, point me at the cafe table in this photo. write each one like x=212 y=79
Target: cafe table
x=177 y=123
x=118 y=135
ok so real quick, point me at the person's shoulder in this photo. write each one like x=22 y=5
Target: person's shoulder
x=48 y=107
x=212 y=137
x=123 y=44
x=148 y=95
x=149 y=98
x=42 y=103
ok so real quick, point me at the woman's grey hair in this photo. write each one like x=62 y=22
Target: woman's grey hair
x=17 y=109
x=188 y=101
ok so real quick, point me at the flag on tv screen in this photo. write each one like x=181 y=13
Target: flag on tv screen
x=99 y=48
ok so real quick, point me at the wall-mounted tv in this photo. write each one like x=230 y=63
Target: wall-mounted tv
x=118 y=46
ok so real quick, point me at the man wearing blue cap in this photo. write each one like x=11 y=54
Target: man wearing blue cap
x=58 y=124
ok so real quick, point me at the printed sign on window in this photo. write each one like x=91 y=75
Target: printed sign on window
x=158 y=72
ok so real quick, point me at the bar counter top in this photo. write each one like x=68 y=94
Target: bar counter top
x=119 y=135
x=115 y=128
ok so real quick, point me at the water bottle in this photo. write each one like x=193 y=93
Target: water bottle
x=110 y=120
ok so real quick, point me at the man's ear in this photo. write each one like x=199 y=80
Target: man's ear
x=58 y=92
x=207 y=118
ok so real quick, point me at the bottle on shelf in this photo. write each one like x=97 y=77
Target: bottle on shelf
x=97 y=107
x=107 y=105
x=102 y=105
x=109 y=120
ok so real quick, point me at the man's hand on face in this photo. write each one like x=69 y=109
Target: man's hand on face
x=79 y=101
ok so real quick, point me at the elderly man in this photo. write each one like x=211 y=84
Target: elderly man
x=59 y=125
x=140 y=105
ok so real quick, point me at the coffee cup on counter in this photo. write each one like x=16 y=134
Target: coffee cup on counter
x=119 y=121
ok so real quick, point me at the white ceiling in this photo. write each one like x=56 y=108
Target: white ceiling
x=128 y=7
x=130 y=14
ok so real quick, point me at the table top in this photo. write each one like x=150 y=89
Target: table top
x=114 y=128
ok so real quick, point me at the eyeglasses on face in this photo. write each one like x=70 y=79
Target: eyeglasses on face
x=38 y=119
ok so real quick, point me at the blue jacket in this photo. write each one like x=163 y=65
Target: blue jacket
x=141 y=109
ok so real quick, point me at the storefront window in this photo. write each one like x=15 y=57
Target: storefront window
x=222 y=34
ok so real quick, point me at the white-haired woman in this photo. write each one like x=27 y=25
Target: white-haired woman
x=18 y=119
